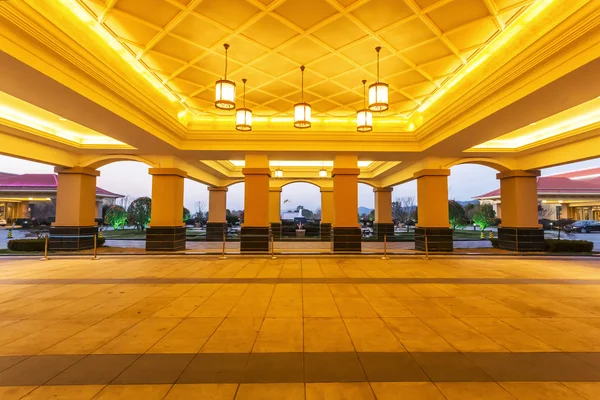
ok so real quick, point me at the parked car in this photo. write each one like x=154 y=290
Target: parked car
x=584 y=226
x=2 y=222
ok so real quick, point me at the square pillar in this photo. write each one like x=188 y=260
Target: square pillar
x=75 y=225
x=275 y=212
x=255 y=229
x=346 y=230
x=166 y=231
x=433 y=226
x=326 y=213
x=23 y=209
x=520 y=230
x=216 y=226
x=384 y=224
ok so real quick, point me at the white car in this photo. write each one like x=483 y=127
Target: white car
x=2 y=222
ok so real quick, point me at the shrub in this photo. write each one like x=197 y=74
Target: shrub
x=568 y=246
x=116 y=216
x=494 y=242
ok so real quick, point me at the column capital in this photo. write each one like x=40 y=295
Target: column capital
x=77 y=170
x=218 y=188
x=345 y=171
x=326 y=189
x=383 y=189
x=275 y=189
x=432 y=172
x=518 y=173
x=256 y=171
x=168 y=171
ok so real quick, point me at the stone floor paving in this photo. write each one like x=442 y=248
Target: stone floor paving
x=300 y=328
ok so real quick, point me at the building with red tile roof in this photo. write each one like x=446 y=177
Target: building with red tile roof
x=19 y=194
x=574 y=195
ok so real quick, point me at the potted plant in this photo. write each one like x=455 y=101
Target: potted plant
x=300 y=231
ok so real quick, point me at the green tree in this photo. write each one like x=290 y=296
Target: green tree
x=186 y=214
x=138 y=212
x=116 y=216
x=456 y=213
x=371 y=216
x=485 y=217
x=231 y=219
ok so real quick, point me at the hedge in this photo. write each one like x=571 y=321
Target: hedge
x=560 y=246
x=36 y=244
x=568 y=246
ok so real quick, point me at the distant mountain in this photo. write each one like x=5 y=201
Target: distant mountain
x=364 y=210
x=464 y=203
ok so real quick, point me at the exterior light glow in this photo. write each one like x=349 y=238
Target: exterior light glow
x=322 y=173
x=302 y=110
x=364 y=117
x=278 y=173
x=378 y=91
x=243 y=116
x=225 y=89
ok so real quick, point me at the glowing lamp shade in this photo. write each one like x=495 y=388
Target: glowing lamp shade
x=243 y=119
x=378 y=97
x=323 y=173
x=278 y=173
x=225 y=94
x=364 y=120
x=302 y=117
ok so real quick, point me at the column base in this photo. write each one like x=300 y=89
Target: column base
x=215 y=231
x=254 y=239
x=69 y=237
x=381 y=229
x=438 y=239
x=165 y=238
x=521 y=239
x=276 y=231
x=325 y=232
x=347 y=239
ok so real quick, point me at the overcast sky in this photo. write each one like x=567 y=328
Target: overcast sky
x=131 y=178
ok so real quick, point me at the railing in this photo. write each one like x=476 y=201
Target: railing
x=95 y=248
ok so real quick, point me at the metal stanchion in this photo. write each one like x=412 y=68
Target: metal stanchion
x=516 y=240
x=95 y=257
x=426 y=247
x=223 y=257
x=385 y=256
x=45 y=258
x=272 y=248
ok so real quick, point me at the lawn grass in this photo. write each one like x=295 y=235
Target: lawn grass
x=134 y=234
x=458 y=235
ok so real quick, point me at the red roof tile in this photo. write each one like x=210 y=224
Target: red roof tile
x=38 y=182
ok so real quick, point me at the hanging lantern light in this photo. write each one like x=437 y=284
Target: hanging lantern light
x=302 y=110
x=225 y=89
x=243 y=116
x=364 y=117
x=278 y=173
x=378 y=91
x=322 y=173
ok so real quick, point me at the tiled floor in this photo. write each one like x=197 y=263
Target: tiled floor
x=300 y=328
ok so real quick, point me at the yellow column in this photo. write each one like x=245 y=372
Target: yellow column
x=383 y=224
x=433 y=226
x=166 y=231
x=255 y=229
x=383 y=205
x=346 y=230
x=518 y=196
x=167 y=197
x=23 y=209
x=75 y=209
x=217 y=204
x=275 y=205
x=327 y=208
x=327 y=211
x=432 y=198
x=76 y=197
x=519 y=230
x=564 y=211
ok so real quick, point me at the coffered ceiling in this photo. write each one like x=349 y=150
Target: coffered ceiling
x=425 y=43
